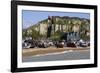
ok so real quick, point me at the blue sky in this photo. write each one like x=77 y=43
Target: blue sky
x=30 y=17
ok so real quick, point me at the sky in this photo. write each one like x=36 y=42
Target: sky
x=31 y=17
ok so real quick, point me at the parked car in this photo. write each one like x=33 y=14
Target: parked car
x=83 y=43
x=28 y=44
x=71 y=44
x=59 y=44
x=42 y=44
